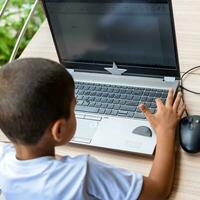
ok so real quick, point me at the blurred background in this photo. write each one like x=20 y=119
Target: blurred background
x=11 y=23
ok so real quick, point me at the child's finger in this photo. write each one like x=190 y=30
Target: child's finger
x=177 y=101
x=159 y=103
x=147 y=113
x=181 y=110
x=169 y=100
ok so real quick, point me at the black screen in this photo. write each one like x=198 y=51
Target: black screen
x=130 y=33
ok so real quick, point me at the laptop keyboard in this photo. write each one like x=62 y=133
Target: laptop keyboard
x=114 y=100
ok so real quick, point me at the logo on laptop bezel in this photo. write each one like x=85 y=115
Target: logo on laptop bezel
x=115 y=70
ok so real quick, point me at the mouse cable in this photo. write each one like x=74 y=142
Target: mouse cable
x=184 y=88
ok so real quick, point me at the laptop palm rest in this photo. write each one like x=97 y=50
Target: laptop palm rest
x=118 y=134
x=115 y=134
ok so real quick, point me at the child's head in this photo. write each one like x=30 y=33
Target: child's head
x=36 y=95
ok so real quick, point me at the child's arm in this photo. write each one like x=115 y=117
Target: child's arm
x=159 y=182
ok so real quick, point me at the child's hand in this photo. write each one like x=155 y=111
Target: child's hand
x=167 y=116
x=159 y=182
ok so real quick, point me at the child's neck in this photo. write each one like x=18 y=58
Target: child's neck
x=27 y=152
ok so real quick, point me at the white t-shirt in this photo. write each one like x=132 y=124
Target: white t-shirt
x=70 y=178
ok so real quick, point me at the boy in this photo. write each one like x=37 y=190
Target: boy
x=37 y=113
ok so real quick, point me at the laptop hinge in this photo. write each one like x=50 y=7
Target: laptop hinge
x=169 y=78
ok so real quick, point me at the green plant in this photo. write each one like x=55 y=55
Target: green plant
x=11 y=24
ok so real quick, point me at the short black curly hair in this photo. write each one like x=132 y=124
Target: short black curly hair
x=34 y=92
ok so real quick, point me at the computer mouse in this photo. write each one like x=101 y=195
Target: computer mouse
x=189 y=133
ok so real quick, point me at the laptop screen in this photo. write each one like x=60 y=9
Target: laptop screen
x=137 y=35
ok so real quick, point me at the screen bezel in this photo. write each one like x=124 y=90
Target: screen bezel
x=137 y=70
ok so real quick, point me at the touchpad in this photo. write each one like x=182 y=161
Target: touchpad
x=85 y=130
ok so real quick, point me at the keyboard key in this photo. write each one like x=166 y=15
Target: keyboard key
x=81 y=92
x=110 y=100
x=92 y=104
x=85 y=103
x=110 y=106
x=164 y=95
x=108 y=111
x=104 y=100
x=86 y=92
x=104 y=105
x=105 y=95
x=98 y=104
x=117 y=96
x=86 y=109
x=122 y=101
x=132 y=103
x=93 y=93
x=122 y=113
x=116 y=107
x=104 y=89
x=111 y=95
x=114 y=112
x=79 y=102
x=116 y=101
x=123 y=96
x=128 y=108
x=152 y=94
x=153 y=90
x=150 y=99
x=97 y=99
x=148 y=89
x=98 y=88
x=128 y=91
x=158 y=94
x=79 y=97
x=138 y=92
x=99 y=94
x=102 y=110
x=158 y=90
x=146 y=93
x=110 y=90
x=91 y=98
x=92 y=88
x=129 y=97
x=122 y=91
x=136 y=98
x=116 y=90
x=144 y=98
x=86 y=87
x=141 y=89
x=130 y=114
x=139 y=115
x=85 y=98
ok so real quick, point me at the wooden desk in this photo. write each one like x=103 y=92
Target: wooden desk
x=187 y=177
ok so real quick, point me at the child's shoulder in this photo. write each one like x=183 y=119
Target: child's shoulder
x=88 y=161
x=5 y=148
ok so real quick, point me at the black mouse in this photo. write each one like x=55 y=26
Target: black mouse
x=189 y=132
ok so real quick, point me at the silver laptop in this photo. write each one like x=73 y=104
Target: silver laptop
x=122 y=53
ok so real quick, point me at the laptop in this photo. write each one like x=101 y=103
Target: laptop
x=120 y=53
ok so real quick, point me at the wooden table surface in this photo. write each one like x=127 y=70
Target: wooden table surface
x=187 y=176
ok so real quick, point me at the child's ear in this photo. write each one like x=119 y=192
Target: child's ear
x=58 y=130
